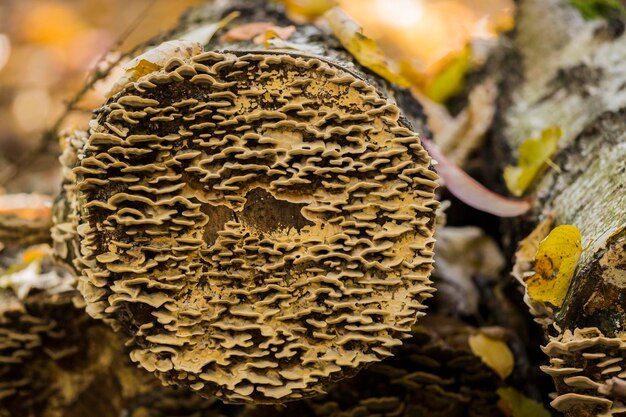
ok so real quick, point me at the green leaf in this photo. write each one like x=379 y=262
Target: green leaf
x=450 y=80
x=534 y=154
x=520 y=405
x=595 y=9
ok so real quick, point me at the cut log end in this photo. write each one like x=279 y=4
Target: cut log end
x=261 y=223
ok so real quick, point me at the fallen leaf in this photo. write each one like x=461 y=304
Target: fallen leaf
x=527 y=247
x=470 y=191
x=362 y=48
x=534 y=155
x=554 y=265
x=494 y=353
x=155 y=59
x=523 y=268
x=35 y=253
x=516 y=404
x=245 y=32
x=307 y=10
x=281 y=32
x=594 y=9
x=449 y=77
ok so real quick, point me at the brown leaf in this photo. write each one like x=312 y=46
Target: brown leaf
x=246 y=31
x=282 y=32
x=527 y=247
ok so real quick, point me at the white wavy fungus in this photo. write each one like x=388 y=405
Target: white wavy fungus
x=589 y=370
x=261 y=223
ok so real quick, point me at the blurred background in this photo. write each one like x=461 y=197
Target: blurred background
x=48 y=47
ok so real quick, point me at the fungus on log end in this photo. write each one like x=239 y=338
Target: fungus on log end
x=588 y=369
x=24 y=219
x=260 y=223
x=433 y=374
x=56 y=361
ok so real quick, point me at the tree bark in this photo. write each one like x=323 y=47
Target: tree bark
x=566 y=71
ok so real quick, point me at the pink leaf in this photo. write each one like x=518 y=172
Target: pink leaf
x=470 y=191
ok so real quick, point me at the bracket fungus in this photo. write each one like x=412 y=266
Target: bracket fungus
x=261 y=223
x=588 y=370
x=56 y=361
x=433 y=374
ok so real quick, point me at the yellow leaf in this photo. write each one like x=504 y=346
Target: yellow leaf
x=493 y=352
x=534 y=154
x=527 y=247
x=449 y=77
x=307 y=10
x=362 y=48
x=554 y=265
x=35 y=254
x=516 y=404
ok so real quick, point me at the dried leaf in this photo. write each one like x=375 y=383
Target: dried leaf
x=534 y=154
x=527 y=247
x=362 y=48
x=524 y=258
x=155 y=59
x=449 y=78
x=516 y=404
x=35 y=253
x=470 y=191
x=25 y=206
x=307 y=10
x=281 y=32
x=246 y=31
x=554 y=265
x=493 y=352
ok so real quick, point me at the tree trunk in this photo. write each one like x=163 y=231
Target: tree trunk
x=569 y=72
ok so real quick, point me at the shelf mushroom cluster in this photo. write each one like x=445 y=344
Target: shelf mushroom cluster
x=588 y=370
x=260 y=223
